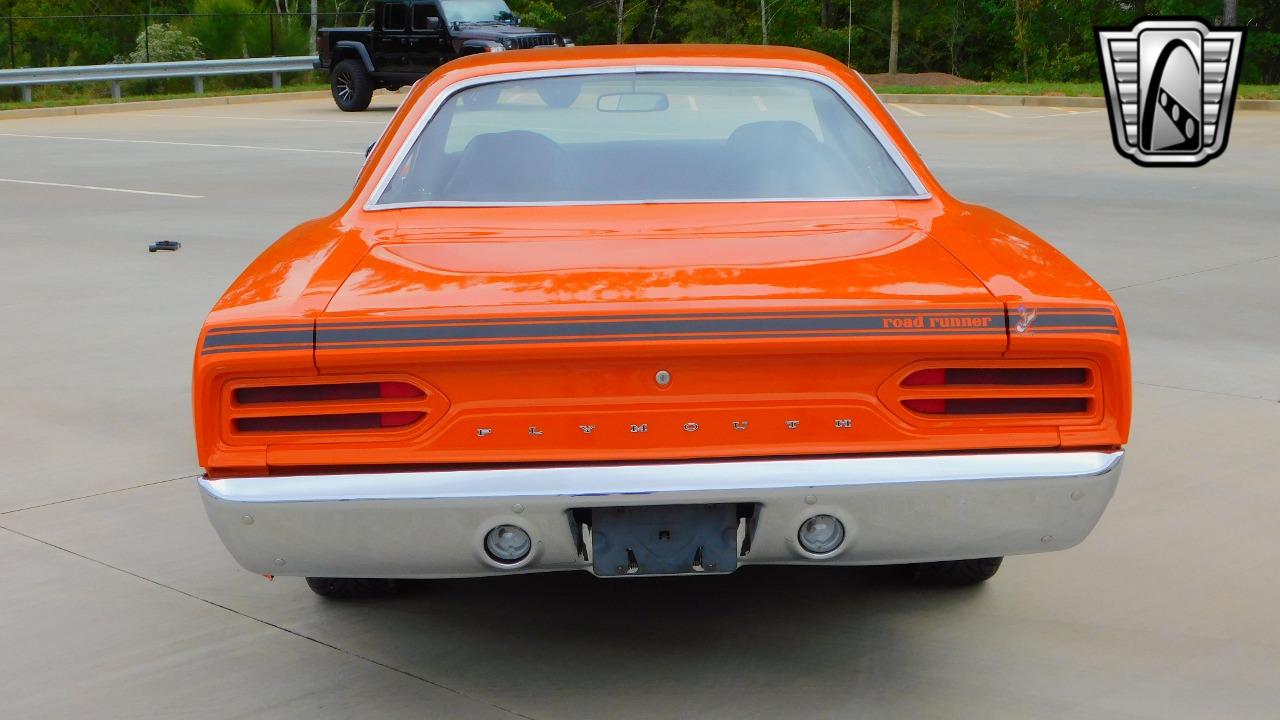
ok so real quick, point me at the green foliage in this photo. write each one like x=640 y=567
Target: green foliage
x=163 y=42
x=709 y=21
x=536 y=13
x=225 y=28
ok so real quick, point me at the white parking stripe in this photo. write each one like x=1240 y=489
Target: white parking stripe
x=105 y=189
x=1065 y=113
x=904 y=108
x=187 y=144
x=989 y=110
x=265 y=119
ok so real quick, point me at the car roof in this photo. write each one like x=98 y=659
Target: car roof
x=729 y=55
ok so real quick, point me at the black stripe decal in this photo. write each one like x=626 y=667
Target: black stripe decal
x=269 y=337
x=1073 y=321
x=661 y=338
x=255 y=328
x=1107 y=310
x=336 y=324
x=663 y=327
x=255 y=348
x=1071 y=330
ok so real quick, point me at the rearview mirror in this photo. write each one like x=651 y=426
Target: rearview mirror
x=632 y=102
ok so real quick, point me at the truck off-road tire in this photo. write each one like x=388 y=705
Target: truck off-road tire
x=954 y=572
x=351 y=85
x=350 y=588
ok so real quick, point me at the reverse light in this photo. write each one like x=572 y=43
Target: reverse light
x=821 y=534
x=507 y=544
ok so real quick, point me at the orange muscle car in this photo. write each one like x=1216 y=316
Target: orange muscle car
x=654 y=310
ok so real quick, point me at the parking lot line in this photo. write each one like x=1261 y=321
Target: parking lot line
x=1063 y=112
x=188 y=144
x=105 y=189
x=989 y=110
x=906 y=109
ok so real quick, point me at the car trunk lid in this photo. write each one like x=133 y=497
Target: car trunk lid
x=857 y=287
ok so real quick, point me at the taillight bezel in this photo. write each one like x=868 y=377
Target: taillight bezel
x=429 y=401
x=897 y=391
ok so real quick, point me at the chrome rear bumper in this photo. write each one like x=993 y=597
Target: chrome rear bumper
x=896 y=509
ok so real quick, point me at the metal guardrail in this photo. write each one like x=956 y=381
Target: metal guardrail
x=198 y=70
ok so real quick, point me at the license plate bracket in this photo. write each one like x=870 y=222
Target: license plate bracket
x=664 y=539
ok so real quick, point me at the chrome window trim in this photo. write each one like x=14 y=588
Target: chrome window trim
x=858 y=109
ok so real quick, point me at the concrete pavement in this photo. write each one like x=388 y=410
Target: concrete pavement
x=118 y=601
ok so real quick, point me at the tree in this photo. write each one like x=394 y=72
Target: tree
x=1020 y=37
x=653 y=27
x=537 y=13
x=893 y=38
x=1228 y=12
x=624 y=23
x=769 y=10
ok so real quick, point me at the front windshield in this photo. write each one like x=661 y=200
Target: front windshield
x=477 y=11
x=645 y=137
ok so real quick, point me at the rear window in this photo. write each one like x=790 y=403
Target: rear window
x=645 y=137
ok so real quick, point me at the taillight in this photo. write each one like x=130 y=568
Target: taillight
x=351 y=421
x=328 y=407
x=321 y=393
x=939 y=392
x=997 y=406
x=997 y=376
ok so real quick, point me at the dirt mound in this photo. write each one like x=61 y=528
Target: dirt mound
x=929 y=79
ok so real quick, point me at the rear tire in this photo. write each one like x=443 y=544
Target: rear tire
x=350 y=588
x=351 y=86
x=954 y=572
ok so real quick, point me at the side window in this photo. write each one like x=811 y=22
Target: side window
x=394 y=16
x=423 y=14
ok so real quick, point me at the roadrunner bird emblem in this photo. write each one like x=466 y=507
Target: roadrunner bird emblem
x=1171 y=85
x=1025 y=318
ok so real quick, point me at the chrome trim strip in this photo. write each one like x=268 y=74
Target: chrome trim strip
x=590 y=481
x=858 y=109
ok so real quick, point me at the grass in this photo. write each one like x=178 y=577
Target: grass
x=1251 y=92
x=97 y=100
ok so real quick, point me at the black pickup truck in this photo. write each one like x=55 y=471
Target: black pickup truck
x=410 y=38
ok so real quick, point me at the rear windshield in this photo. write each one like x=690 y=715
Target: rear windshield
x=645 y=137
